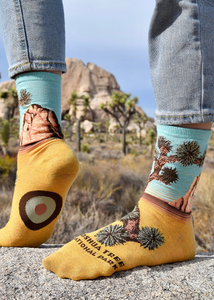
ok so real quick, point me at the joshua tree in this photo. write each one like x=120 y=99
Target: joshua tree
x=73 y=101
x=11 y=102
x=97 y=126
x=121 y=108
x=107 y=124
x=68 y=127
x=139 y=119
x=86 y=103
x=152 y=137
x=5 y=135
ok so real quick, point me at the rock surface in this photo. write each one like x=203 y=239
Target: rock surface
x=23 y=277
x=87 y=79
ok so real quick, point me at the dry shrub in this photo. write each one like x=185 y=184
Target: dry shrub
x=203 y=211
x=5 y=200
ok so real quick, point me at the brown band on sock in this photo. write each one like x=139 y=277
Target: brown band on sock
x=34 y=145
x=166 y=207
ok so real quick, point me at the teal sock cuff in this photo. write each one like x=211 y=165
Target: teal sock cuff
x=178 y=160
x=185 y=133
x=44 y=89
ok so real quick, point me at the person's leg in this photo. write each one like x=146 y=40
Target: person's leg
x=159 y=230
x=35 y=48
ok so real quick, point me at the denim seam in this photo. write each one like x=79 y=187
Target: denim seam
x=202 y=65
x=22 y=33
x=40 y=63
x=184 y=116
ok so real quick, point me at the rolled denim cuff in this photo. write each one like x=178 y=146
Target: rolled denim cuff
x=37 y=66
x=181 y=42
x=170 y=119
x=35 y=38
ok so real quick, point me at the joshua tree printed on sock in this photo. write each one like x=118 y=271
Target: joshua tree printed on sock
x=25 y=97
x=161 y=173
x=112 y=235
x=169 y=175
x=186 y=154
x=147 y=237
x=150 y=238
x=132 y=215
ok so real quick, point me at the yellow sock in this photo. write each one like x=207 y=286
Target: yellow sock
x=46 y=171
x=154 y=233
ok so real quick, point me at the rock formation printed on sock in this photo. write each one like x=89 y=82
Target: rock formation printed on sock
x=39 y=123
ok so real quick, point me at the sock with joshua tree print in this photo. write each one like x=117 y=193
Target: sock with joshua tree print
x=159 y=230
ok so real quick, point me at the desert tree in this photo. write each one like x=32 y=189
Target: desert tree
x=121 y=108
x=5 y=135
x=97 y=129
x=140 y=120
x=74 y=101
x=86 y=104
x=10 y=101
x=68 y=128
x=107 y=124
x=152 y=138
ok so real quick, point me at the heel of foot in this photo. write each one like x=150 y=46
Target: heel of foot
x=177 y=228
x=45 y=174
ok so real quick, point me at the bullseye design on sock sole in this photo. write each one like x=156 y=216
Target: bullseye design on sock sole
x=45 y=173
x=39 y=208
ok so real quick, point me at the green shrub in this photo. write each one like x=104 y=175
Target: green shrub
x=134 y=152
x=5 y=132
x=101 y=140
x=84 y=148
x=6 y=164
x=211 y=143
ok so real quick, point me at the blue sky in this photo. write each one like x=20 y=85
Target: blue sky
x=112 y=34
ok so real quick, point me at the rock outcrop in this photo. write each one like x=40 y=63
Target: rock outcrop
x=5 y=86
x=24 y=277
x=91 y=80
x=84 y=79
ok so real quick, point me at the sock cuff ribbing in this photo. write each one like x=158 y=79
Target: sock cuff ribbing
x=44 y=89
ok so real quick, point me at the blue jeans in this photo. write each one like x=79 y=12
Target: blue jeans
x=34 y=35
x=181 y=43
x=181 y=47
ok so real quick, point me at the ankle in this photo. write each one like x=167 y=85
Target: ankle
x=203 y=126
